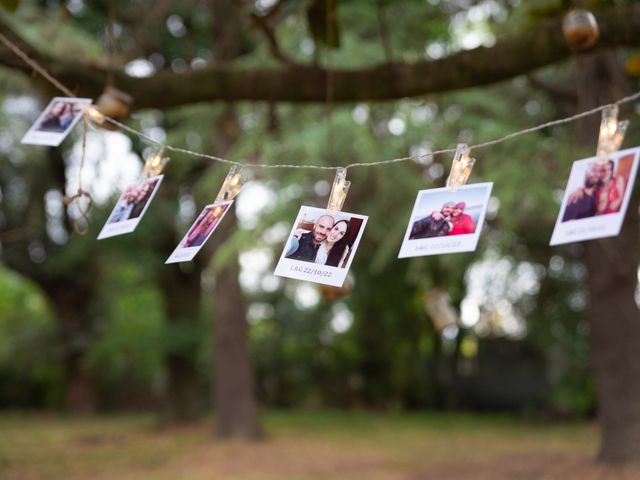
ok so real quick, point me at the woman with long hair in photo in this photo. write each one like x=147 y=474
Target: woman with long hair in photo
x=334 y=250
x=59 y=117
x=612 y=190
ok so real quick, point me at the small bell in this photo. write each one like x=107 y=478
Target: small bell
x=580 y=29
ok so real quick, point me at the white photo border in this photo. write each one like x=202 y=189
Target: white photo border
x=314 y=272
x=600 y=226
x=129 y=225
x=186 y=254
x=53 y=139
x=446 y=244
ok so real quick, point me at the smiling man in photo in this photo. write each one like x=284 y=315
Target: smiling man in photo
x=309 y=242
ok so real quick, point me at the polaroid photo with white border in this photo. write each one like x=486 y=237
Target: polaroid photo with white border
x=131 y=207
x=321 y=246
x=443 y=221
x=199 y=232
x=56 y=121
x=596 y=198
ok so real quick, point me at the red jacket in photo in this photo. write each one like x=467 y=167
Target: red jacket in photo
x=462 y=224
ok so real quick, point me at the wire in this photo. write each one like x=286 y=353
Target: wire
x=38 y=68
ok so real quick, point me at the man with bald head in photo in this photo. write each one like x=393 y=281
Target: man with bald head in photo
x=309 y=242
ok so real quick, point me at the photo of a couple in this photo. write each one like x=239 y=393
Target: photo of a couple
x=602 y=191
x=59 y=117
x=199 y=232
x=56 y=121
x=448 y=220
x=133 y=201
x=327 y=240
x=596 y=197
x=204 y=225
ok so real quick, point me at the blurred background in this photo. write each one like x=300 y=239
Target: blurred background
x=103 y=347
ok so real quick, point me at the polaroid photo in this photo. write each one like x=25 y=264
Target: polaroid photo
x=199 y=232
x=443 y=221
x=131 y=207
x=321 y=246
x=596 y=198
x=56 y=121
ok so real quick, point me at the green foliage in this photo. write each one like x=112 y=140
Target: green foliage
x=128 y=352
x=10 y=5
x=30 y=370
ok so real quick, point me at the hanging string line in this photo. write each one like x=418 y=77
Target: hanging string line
x=38 y=68
x=81 y=224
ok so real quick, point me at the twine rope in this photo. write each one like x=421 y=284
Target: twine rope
x=81 y=224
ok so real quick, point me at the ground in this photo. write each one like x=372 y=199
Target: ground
x=302 y=446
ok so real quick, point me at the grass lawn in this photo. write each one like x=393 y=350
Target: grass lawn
x=301 y=446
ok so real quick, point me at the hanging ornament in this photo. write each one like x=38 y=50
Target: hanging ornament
x=460 y=168
x=113 y=103
x=154 y=164
x=438 y=305
x=330 y=293
x=611 y=133
x=580 y=29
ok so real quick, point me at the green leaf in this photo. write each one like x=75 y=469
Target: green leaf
x=10 y=5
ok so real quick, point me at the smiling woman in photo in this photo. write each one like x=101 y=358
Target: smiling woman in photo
x=59 y=118
x=611 y=192
x=334 y=250
x=462 y=223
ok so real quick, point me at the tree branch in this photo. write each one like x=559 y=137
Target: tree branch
x=510 y=56
x=272 y=41
x=555 y=91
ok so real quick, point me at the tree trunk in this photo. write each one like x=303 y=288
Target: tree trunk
x=613 y=315
x=615 y=336
x=233 y=382
x=181 y=293
x=70 y=303
x=234 y=395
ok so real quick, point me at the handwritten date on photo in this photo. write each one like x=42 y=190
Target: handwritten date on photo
x=311 y=271
x=584 y=230
x=438 y=245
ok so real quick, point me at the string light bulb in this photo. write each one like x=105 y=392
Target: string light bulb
x=338 y=190
x=154 y=165
x=94 y=115
x=232 y=184
x=611 y=133
x=460 y=168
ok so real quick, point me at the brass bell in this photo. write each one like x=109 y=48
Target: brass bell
x=580 y=29
x=115 y=104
